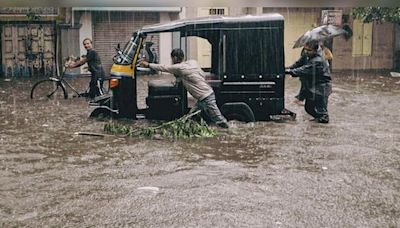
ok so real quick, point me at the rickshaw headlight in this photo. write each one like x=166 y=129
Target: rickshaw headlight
x=114 y=83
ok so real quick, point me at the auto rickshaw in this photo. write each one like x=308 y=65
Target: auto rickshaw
x=246 y=72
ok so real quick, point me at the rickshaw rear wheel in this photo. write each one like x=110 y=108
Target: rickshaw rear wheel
x=238 y=111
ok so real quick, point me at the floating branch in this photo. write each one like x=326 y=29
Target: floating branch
x=183 y=127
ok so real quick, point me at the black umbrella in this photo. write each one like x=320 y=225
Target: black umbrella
x=320 y=33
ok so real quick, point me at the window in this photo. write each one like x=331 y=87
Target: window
x=216 y=11
x=203 y=51
x=362 y=38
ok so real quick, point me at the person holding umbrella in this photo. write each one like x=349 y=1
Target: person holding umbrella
x=313 y=70
x=315 y=76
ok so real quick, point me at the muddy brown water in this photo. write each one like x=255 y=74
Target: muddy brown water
x=279 y=173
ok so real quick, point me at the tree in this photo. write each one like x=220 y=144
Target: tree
x=378 y=14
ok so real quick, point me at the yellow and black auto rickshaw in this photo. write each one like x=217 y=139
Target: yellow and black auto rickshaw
x=246 y=72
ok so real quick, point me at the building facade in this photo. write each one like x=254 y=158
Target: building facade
x=28 y=40
x=35 y=40
x=110 y=28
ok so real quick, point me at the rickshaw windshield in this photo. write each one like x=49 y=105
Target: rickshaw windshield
x=125 y=57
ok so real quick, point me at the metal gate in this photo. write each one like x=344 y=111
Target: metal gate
x=111 y=28
x=28 y=50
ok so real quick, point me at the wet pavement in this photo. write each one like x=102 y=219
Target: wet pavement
x=279 y=173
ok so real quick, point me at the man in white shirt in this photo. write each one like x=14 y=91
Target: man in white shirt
x=193 y=80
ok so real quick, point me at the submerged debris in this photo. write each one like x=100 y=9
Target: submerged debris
x=395 y=74
x=183 y=127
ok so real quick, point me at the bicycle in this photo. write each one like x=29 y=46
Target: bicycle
x=55 y=88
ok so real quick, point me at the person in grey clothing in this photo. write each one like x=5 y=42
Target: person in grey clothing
x=193 y=80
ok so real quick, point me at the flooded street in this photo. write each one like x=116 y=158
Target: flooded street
x=281 y=173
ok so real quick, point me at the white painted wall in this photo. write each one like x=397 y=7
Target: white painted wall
x=85 y=32
x=165 y=41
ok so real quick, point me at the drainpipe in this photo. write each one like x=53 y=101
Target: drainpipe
x=72 y=17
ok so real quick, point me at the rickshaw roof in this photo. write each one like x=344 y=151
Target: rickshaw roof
x=178 y=25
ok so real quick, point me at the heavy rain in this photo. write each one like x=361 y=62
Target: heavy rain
x=282 y=172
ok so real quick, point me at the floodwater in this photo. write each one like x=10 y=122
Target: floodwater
x=280 y=173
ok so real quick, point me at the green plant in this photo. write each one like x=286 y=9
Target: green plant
x=183 y=127
x=32 y=16
x=378 y=14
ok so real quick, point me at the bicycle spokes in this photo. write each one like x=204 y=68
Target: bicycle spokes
x=48 y=89
x=51 y=94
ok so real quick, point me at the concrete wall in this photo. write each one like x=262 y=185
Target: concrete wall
x=382 y=50
x=165 y=41
x=297 y=22
x=85 y=31
x=69 y=36
x=194 y=47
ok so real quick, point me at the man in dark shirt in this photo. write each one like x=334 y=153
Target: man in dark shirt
x=92 y=58
x=316 y=81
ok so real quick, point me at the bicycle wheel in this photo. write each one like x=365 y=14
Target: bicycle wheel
x=48 y=89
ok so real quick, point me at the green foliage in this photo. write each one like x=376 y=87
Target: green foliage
x=183 y=127
x=378 y=14
x=32 y=16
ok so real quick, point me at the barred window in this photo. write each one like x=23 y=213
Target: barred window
x=216 y=11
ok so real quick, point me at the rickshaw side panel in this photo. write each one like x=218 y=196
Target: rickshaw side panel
x=254 y=69
x=125 y=99
x=166 y=101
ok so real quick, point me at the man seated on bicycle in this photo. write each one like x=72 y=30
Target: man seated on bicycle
x=92 y=58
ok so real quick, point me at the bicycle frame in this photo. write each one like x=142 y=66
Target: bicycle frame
x=62 y=80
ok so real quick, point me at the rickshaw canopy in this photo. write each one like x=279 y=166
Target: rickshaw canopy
x=217 y=21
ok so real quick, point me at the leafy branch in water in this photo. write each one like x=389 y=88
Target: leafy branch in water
x=183 y=127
